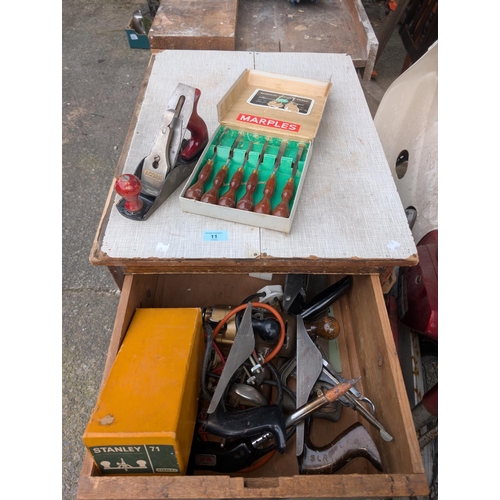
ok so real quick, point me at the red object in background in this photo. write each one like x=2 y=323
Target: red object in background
x=419 y=290
x=426 y=409
x=430 y=400
x=129 y=186
x=392 y=310
x=392 y=4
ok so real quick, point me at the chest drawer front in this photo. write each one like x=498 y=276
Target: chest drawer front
x=366 y=349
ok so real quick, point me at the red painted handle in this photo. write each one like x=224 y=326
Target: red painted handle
x=199 y=132
x=128 y=186
x=283 y=209
x=246 y=202
x=228 y=199
x=196 y=190
x=212 y=195
x=264 y=205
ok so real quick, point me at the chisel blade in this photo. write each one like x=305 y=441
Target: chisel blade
x=243 y=346
x=309 y=366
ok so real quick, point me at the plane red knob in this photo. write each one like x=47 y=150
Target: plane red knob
x=128 y=186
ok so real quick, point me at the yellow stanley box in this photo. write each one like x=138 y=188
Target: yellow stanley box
x=145 y=416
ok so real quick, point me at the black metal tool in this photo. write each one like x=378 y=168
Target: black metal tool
x=354 y=442
x=294 y=293
x=250 y=422
x=250 y=446
x=326 y=298
x=294 y=296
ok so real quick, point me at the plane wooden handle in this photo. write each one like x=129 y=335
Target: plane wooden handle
x=264 y=205
x=283 y=208
x=246 y=202
x=228 y=199
x=212 y=195
x=199 y=132
x=196 y=190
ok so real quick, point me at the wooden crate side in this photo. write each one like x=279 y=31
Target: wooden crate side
x=177 y=291
x=205 y=290
x=274 y=265
x=223 y=487
x=137 y=291
x=381 y=372
x=367 y=37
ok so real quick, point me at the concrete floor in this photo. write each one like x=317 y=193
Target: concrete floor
x=101 y=78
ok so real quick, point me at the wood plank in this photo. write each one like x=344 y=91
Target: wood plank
x=194 y=25
x=373 y=344
x=330 y=487
x=312 y=265
x=330 y=26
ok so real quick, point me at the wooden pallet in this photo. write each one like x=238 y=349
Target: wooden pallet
x=194 y=25
x=330 y=26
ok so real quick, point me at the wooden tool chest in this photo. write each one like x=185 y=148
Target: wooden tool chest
x=367 y=348
x=350 y=221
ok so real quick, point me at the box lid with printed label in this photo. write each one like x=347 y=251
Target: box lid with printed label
x=270 y=103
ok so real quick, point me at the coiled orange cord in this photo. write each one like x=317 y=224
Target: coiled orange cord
x=260 y=305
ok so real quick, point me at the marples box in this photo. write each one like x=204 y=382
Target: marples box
x=261 y=113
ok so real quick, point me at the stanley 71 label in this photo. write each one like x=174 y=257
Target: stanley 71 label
x=133 y=459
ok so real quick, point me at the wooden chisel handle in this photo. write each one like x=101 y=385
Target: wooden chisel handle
x=264 y=205
x=212 y=195
x=246 y=202
x=228 y=199
x=196 y=190
x=283 y=208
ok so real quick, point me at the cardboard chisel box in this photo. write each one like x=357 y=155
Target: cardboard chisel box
x=268 y=110
x=144 y=419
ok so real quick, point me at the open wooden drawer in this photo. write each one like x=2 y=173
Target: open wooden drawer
x=367 y=349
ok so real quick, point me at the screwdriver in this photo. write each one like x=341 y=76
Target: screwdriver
x=283 y=208
x=212 y=195
x=264 y=205
x=196 y=190
x=246 y=202
x=228 y=199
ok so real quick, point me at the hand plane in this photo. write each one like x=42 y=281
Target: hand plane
x=171 y=159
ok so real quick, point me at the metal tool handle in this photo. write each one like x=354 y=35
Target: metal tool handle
x=354 y=399
x=354 y=442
